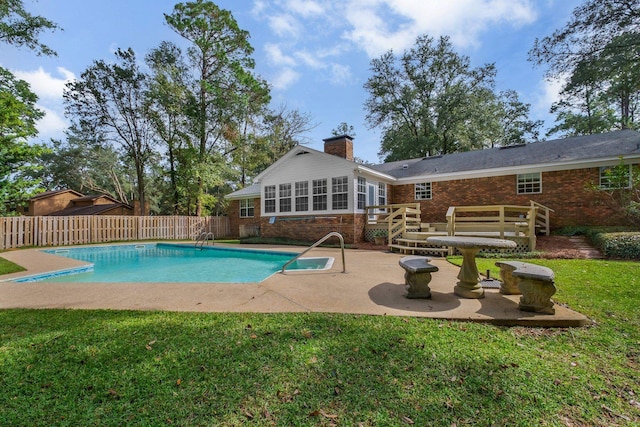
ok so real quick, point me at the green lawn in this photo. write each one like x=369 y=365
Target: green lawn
x=7 y=267
x=76 y=367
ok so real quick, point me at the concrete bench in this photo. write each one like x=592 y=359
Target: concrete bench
x=417 y=275
x=534 y=282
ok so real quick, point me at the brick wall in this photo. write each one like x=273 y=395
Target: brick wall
x=339 y=146
x=235 y=221
x=562 y=191
x=311 y=229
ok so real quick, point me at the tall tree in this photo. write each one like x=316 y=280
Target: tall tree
x=591 y=28
x=597 y=53
x=84 y=161
x=111 y=99
x=344 y=129
x=167 y=98
x=515 y=125
x=424 y=99
x=20 y=28
x=18 y=116
x=18 y=112
x=582 y=110
x=219 y=56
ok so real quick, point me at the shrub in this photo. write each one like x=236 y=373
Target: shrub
x=625 y=245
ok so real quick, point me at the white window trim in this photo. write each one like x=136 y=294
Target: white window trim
x=299 y=194
x=325 y=194
x=249 y=206
x=361 y=190
x=284 y=193
x=429 y=191
x=610 y=187
x=340 y=183
x=518 y=192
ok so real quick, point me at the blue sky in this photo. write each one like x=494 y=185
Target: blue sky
x=314 y=53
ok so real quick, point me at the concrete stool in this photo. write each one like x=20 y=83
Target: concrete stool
x=509 y=284
x=417 y=275
x=534 y=282
x=537 y=286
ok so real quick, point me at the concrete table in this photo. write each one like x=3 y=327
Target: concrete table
x=468 y=285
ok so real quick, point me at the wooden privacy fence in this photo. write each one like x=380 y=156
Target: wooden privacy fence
x=21 y=231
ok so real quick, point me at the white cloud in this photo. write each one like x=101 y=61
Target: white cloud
x=313 y=61
x=285 y=78
x=341 y=74
x=284 y=25
x=52 y=125
x=548 y=94
x=380 y=25
x=305 y=8
x=277 y=57
x=49 y=88
x=258 y=7
x=44 y=84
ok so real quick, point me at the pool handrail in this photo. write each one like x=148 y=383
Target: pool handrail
x=204 y=237
x=319 y=242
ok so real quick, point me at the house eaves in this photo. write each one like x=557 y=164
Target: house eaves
x=569 y=153
x=249 y=192
x=375 y=173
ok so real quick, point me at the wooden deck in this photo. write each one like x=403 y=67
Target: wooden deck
x=407 y=234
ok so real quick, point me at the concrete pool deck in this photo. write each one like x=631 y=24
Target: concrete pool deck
x=373 y=284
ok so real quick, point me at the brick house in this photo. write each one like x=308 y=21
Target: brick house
x=307 y=193
x=70 y=202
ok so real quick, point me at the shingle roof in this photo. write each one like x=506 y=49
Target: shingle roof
x=92 y=197
x=88 y=210
x=53 y=193
x=574 y=149
x=252 y=190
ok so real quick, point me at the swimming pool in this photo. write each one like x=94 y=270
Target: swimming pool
x=161 y=262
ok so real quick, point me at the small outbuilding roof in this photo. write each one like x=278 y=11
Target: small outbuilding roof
x=89 y=210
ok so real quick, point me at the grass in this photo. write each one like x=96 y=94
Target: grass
x=7 y=267
x=76 y=367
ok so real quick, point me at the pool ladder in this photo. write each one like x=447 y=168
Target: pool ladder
x=319 y=242
x=204 y=237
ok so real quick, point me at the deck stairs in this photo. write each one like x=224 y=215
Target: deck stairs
x=414 y=240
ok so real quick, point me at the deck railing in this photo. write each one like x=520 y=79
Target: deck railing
x=501 y=220
x=543 y=217
x=23 y=231
x=395 y=219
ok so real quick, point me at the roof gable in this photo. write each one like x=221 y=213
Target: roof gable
x=300 y=150
x=53 y=193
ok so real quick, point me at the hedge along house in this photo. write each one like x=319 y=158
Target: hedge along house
x=308 y=193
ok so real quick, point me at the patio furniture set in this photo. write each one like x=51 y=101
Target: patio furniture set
x=534 y=282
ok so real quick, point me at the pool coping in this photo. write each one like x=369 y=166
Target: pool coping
x=373 y=284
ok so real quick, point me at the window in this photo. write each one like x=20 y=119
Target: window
x=285 y=197
x=319 y=194
x=382 y=193
x=339 y=193
x=270 y=199
x=362 y=193
x=423 y=191
x=529 y=183
x=302 y=196
x=612 y=177
x=246 y=208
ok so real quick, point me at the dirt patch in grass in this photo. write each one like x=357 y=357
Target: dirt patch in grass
x=566 y=247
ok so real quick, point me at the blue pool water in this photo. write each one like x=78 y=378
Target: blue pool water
x=174 y=263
